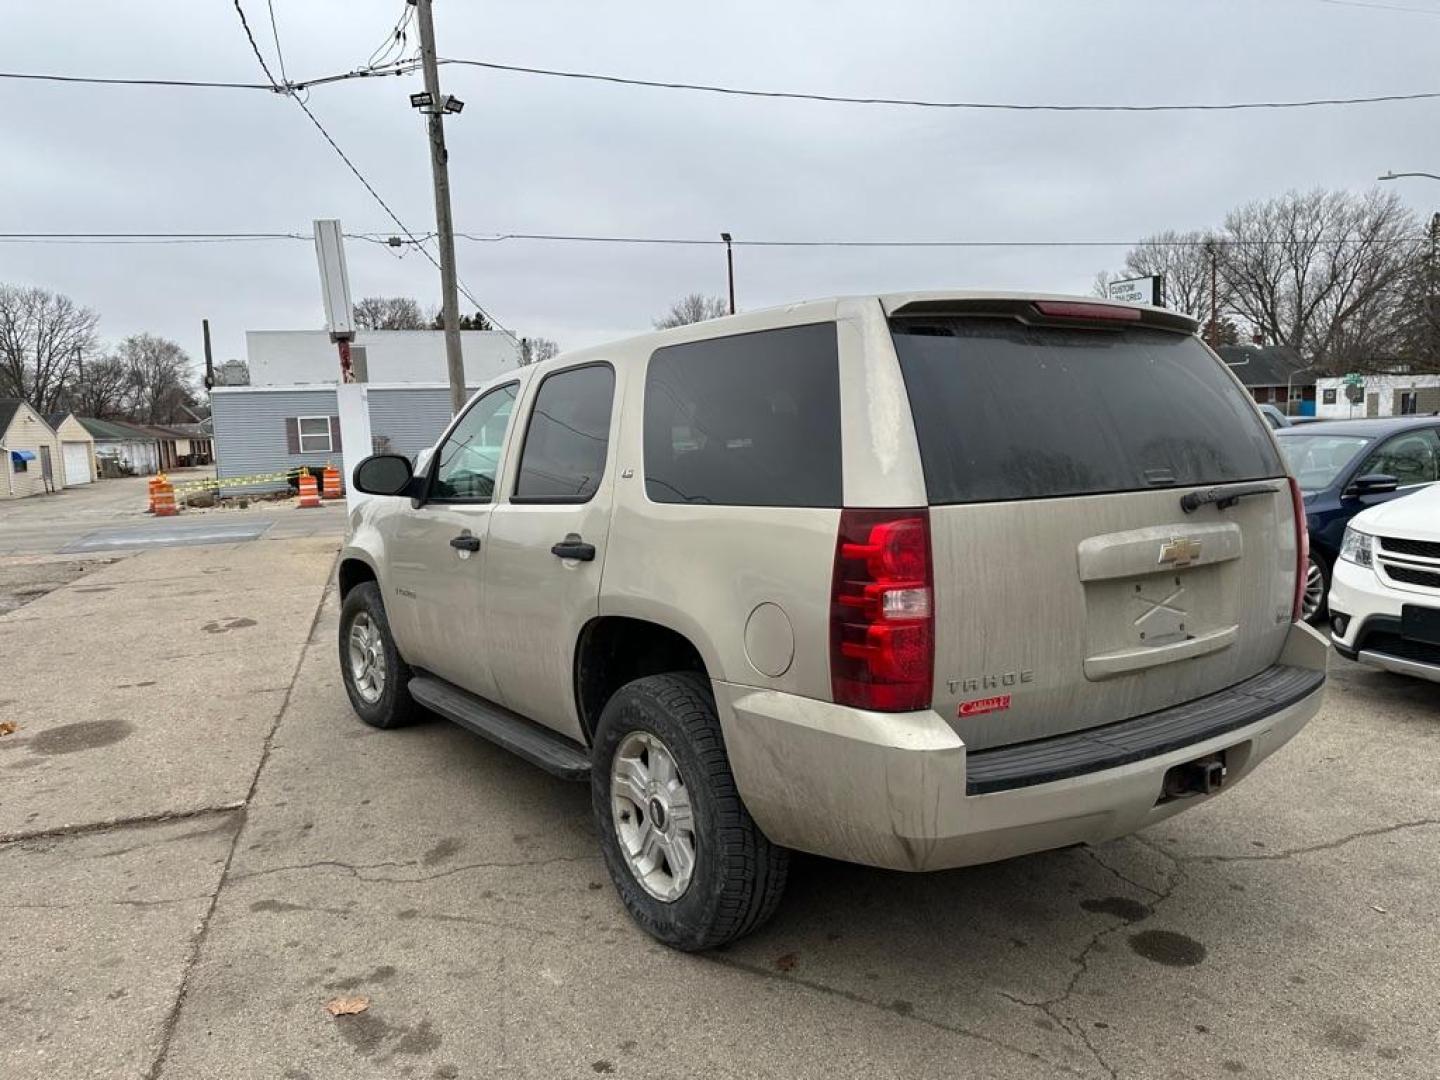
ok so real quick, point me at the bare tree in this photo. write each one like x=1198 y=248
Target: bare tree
x=99 y=388
x=160 y=379
x=537 y=350
x=692 y=309
x=42 y=335
x=389 y=313
x=1320 y=272
x=1101 y=285
x=1184 y=261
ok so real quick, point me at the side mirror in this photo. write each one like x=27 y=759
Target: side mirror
x=383 y=474
x=1372 y=484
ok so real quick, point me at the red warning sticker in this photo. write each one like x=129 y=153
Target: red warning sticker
x=984 y=705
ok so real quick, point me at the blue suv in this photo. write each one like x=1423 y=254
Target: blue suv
x=1344 y=466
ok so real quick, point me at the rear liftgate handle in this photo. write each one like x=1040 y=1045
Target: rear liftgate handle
x=572 y=547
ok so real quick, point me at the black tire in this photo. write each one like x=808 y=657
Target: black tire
x=394 y=707
x=739 y=875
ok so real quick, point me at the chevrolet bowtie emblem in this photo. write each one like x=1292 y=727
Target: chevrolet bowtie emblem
x=1179 y=552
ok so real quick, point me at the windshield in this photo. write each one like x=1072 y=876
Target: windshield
x=1317 y=459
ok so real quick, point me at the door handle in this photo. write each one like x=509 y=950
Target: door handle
x=572 y=547
x=465 y=542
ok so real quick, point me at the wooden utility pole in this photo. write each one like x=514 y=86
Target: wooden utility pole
x=444 y=226
x=1214 y=334
x=209 y=356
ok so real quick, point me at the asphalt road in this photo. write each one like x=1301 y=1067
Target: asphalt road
x=1285 y=929
x=109 y=515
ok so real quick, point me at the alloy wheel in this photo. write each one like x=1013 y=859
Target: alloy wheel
x=1314 y=590
x=367 y=659
x=654 y=819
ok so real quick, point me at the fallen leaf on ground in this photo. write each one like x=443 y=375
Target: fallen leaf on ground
x=8 y=727
x=348 y=1006
x=787 y=962
x=1380 y=909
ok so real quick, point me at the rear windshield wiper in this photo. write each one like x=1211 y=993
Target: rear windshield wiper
x=1223 y=497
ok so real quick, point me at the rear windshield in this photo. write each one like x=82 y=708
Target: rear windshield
x=1008 y=411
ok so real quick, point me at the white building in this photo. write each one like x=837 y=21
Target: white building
x=1378 y=395
x=287 y=416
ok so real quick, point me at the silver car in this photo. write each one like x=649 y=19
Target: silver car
x=916 y=581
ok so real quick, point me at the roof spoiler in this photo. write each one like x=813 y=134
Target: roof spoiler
x=1097 y=314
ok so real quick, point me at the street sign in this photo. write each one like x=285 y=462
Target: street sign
x=1141 y=290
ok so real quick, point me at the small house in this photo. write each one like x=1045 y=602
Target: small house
x=122 y=449
x=31 y=452
x=77 y=448
x=1274 y=375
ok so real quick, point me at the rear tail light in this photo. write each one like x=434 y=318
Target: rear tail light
x=882 y=617
x=1302 y=550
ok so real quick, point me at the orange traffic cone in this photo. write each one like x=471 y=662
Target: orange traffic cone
x=331 y=488
x=309 y=491
x=152 y=486
x=165 y=499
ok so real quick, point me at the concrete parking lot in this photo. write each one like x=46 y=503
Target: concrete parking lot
x=200 y=846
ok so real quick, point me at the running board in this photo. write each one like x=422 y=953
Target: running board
x=538 y=745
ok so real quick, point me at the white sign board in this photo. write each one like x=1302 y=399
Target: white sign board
x=1141 y=290
x=334 y=279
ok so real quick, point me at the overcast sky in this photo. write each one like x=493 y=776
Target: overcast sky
x=543 y=155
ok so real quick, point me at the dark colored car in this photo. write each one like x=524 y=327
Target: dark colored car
x=1345 y=466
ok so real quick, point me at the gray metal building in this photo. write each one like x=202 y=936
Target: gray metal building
x=263 y=429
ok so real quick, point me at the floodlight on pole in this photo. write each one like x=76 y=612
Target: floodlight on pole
x=421 y=100
x=729 y=269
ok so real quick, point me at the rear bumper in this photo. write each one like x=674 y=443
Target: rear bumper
x=890 y=789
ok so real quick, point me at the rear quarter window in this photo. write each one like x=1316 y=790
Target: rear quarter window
x=746 y=420
x=1007 y=411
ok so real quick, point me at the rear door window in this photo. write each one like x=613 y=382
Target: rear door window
x=1009 y=411
x=1411 y=458
x=568 y=435
x=746 y=420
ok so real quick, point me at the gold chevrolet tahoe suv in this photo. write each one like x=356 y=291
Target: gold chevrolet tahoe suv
x=916 y=581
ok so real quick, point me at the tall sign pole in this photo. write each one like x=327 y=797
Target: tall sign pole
x=435 y=107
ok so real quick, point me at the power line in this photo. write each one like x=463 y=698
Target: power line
x=275 y=32
x=419 y=244
x=1381 y=7
x=383 y=239
x=245 y=23
x=101 y=81
x=796 y=95
x=738 y=242
x=408 y=67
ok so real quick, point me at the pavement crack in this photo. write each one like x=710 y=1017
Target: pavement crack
x=1095 y=857
x=908 y=1015
x=141 y=821
x=1310 y=849
x=172 y=1020
x=358 y=871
